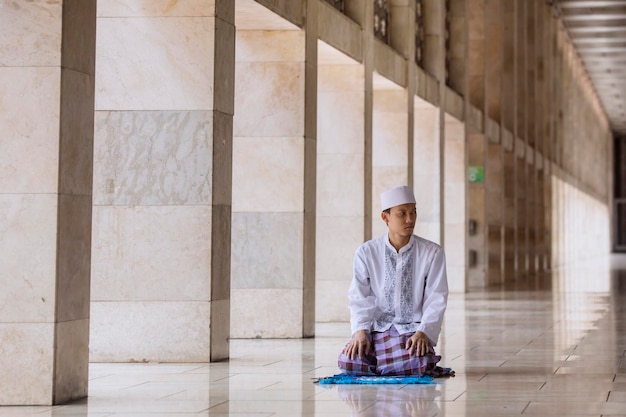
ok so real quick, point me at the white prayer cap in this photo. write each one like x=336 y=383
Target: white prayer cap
x=400 y=194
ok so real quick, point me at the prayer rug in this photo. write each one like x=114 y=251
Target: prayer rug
x=342 y=379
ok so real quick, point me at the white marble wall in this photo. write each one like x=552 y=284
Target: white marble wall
x=390 y=160
x=153 y=180
x=268 y=185
x=340 y=180
x=46 y=134
x=426 y=170
x=455 y=183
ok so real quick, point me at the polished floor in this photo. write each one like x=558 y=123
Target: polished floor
x=547 y=346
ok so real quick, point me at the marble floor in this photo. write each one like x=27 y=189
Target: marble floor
x=547 y=346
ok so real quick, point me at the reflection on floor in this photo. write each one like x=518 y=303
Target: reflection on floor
x=552 y=346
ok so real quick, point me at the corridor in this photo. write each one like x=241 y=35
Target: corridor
x=557 y=348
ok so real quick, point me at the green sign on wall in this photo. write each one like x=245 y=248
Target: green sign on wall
x=476 y=174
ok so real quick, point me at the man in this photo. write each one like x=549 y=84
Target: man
x=397 y=297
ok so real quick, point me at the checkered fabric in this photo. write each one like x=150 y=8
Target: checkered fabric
x=390 y=357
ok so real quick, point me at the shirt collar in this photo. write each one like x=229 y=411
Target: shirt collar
x=404 y=248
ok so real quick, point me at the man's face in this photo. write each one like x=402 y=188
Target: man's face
x=401 y=219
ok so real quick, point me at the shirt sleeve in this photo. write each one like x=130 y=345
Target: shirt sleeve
x=435 y=297
x=361 y=299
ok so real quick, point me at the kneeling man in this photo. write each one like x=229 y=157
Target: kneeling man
x=397 y=297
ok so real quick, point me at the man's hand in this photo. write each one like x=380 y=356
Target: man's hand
x=417 y=344
x=359 y=345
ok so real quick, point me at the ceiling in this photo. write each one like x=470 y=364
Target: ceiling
x=598 y=30
x=596 y=27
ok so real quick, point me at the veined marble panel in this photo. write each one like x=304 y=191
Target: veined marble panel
x=29 y=126
x=340 y=78
x=31 y=33
x=26 y=360
x=426 y=189
x=454 y=148
x=331 y=302
x=268 y=174
x=456 y=278
x=455 y=244
x=428 y=230
x=455 y=166
x=426 y=141
x=153 y=158
x=267 y=250
x=340 y=124
x=155 y=63
x=152 y=8
x=454 y=202
x=28 y=237
x=151 y=253
x=277 y=106
x=270 y=46
x=390 y=101
x=337 y=239
x=340 y=185
x=159 y=331
x=281 y=313
x=390 y=146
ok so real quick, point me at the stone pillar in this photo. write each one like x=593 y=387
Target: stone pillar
x=493 y=126
x=47 y=56
x=340 y=182
x=494 y=209
x=427 y=170
x=532 y=160
x=310 y=169
x=390 y=144
x=402 y=24
x=455 y=221
x=476 y=143
x=508 y=123
x=434 y=38
x=164 y=107
x=547 y=132
x=520 y=138
x=477 y=220
x=367 y=8
x=457 y=42
x=274 y=162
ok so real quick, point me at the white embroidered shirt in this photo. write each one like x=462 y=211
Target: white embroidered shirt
x=407 y=289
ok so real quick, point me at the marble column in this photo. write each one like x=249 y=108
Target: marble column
x=476 y=143
x=477 y=211
x=426 y=170
x=520 y=135
x=269 y=155
x=508 y=122
x=454 y=201
x=389 y=144
x=340 y=182
x=162 y=183
x=494 y=27
x=47 y=56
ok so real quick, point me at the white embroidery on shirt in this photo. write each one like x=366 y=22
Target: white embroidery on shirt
x=407 y=304
x=404 y=323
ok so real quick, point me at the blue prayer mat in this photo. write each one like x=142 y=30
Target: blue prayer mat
x=351 y=379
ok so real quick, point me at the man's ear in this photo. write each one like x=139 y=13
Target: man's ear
x=385 y=216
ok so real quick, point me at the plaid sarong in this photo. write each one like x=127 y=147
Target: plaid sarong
x=390 y=357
